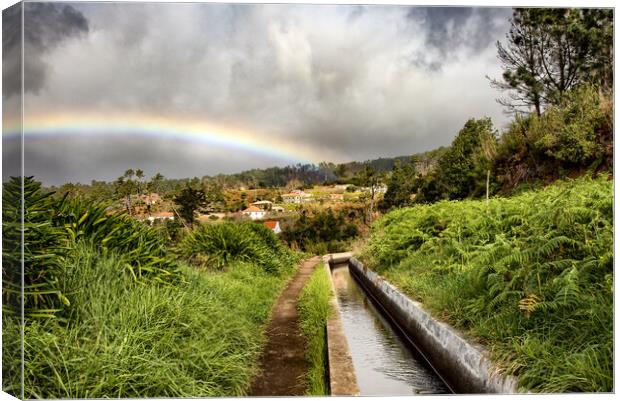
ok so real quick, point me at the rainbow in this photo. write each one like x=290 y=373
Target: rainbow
x=193 y=131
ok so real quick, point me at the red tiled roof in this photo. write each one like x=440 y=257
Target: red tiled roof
x=271 y=224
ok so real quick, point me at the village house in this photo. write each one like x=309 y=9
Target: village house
x=264 y=205
x=254 y=213
x=273 y=225
x=160 y=216
x=296 y=197
x=379 y=189
x=149 y=199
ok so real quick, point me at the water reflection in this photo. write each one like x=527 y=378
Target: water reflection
x=383 y=363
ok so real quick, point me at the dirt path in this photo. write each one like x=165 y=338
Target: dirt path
x=283 y=363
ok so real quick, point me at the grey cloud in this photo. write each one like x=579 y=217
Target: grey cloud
x=11 y=50
x=352 y=82
x=11 y=159
x=450 y=28
x=110 y=157
x=46 y=26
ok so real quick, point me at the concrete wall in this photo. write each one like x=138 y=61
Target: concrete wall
x=463 y=364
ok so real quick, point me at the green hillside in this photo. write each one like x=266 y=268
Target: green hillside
x=529 y=276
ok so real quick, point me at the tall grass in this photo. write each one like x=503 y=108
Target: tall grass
x=199 y=337
x=314 y=310
x=110 y=313
x=44 y=250
x=140 y=247
x=530 y=276
x=52 y=229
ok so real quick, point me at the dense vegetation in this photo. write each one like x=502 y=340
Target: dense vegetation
x=223 y=191
x=574 y=136
x=314 y=310
x=52 y=228
x=570 y=138
x=110 y=311
x=322 y=231
x=530 y=276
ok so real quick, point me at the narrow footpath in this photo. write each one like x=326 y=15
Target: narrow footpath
x=283 y=362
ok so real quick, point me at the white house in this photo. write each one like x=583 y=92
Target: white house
x=254 y=213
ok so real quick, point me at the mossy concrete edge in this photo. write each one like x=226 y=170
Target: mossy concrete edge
x=463 y=363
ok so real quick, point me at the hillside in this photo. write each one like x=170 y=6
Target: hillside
x=530 y=276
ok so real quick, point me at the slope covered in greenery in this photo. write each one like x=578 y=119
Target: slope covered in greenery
x=110 y=312
x=197 y=338
x=529 y=276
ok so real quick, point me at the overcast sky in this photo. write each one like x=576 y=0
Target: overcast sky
x=348 y=82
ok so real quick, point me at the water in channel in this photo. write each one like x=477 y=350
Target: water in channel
x=384 y=364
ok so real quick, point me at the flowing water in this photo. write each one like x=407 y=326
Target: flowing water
x=384 y=363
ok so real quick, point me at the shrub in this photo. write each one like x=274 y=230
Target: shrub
x=462 y=170
x=569 y=131
x=575 y=134
x=215 y=246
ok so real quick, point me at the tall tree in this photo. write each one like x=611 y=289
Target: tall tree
x=599 y=29
x=341 y=171
x=521 y=78
x=124 y=187
x=551 y=51
x=214 y=195
x=369 y=177
x=155 y=184
x=189 y=201
x=400 y=185
x=463 y=170
x=140 y=181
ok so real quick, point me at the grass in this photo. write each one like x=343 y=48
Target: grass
x=314 y=310
x=199 y=337
x=111 y=312
x=531 y=277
